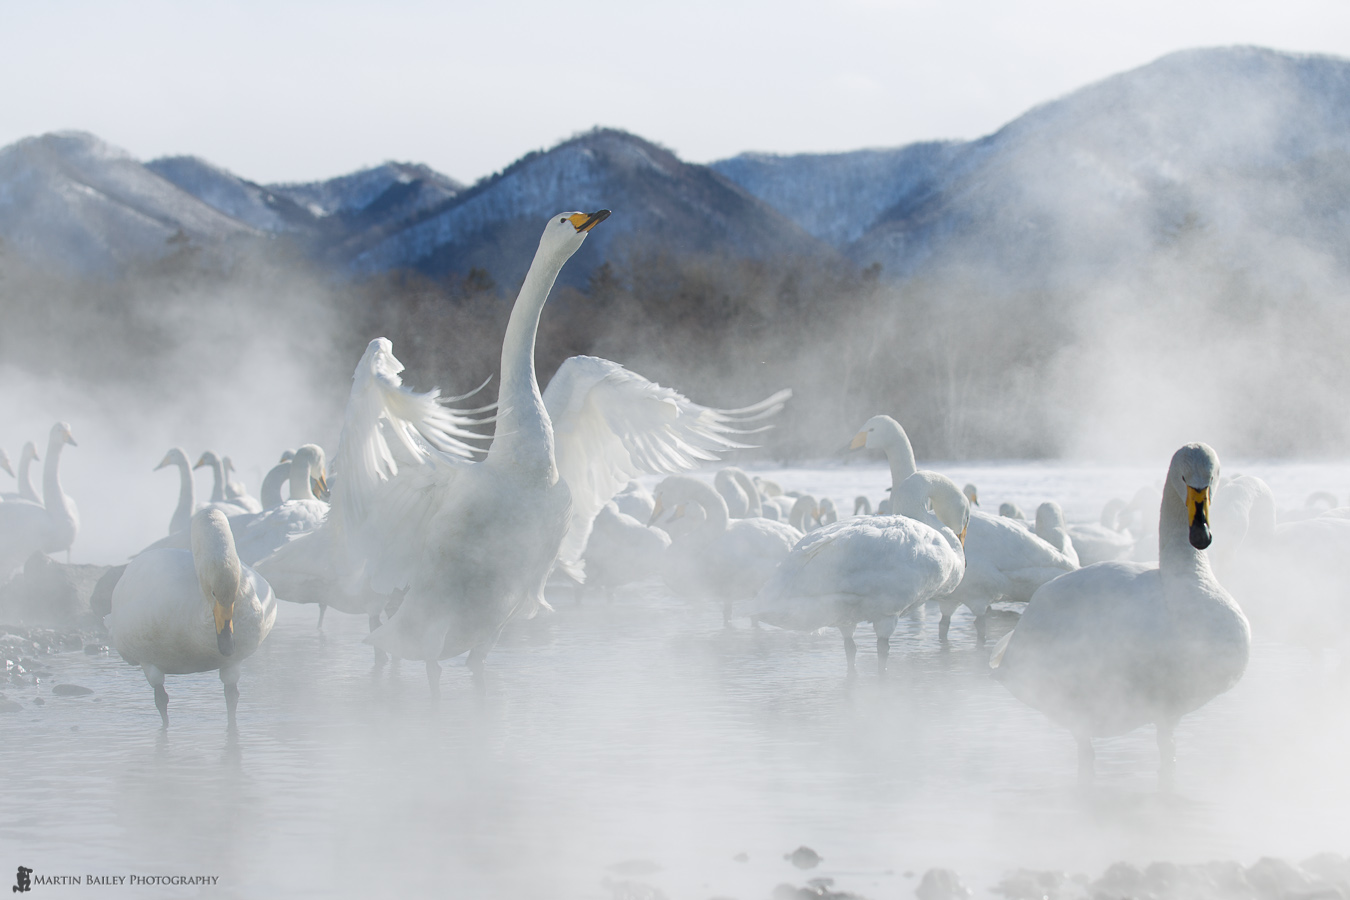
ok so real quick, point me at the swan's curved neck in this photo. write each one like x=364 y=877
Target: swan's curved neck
x=756 y=509
x=187 y=499
x=714 y=507
x=26 y=490
x=300 y=489
x=270 y=492
x=218 y=489
x=1176 y=557
x=900 y=454
x=524 y=435
x=910 y=498
x=53 y=498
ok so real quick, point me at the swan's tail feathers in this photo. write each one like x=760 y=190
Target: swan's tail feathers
x=611 y=425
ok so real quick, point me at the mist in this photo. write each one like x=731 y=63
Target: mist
x=1147 y=263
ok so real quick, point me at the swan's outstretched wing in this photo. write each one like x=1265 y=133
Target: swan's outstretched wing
x=388 y=429
x=611 y=425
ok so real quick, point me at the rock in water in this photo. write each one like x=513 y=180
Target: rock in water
x=9 y=706
x=804 y=858
x=942 y=884
x=51 y=593
x=71 y=690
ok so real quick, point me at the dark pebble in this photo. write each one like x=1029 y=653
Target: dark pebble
x=804 y=858
x=942 y=884
x=71 y=690
x=38 y=701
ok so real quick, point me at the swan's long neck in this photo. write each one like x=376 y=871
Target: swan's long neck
x=1176 y=557
x=53 y=498
x=714 y=506
x=187 y=499
x=524 y=436
x=300 y=489
x=756 y=510
x=900 y=454
x=270 y=492
x=909 y=498
x=218 y=490
x=26 y=490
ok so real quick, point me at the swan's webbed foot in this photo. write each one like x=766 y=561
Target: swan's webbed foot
x=944 y=624
x=1087 y=761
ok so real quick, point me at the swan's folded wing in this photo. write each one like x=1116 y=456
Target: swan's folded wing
x=611 y=425
x=389 y=428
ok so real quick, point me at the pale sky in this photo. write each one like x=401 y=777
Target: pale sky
x=296 y=91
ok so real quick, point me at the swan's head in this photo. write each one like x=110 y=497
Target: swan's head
x=928 y=490
x=310 y=460
x=29 y=452
x=972 y=494
x=1011 y=511
x=878 y=433
x=1193 y=476
x=672 y=497
x=566 y=232
x=61 y=434
x=287 y=457
x=207 y=459
x=1049 y=516
x=228 y=464
x=175 y=457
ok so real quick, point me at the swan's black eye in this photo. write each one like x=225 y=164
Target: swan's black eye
x=562 y=220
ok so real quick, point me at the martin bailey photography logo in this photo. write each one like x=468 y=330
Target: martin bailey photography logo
x=25 y=880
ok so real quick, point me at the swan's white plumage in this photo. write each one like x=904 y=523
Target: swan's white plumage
x=25 y=491
x=611 y=425
x=50 y=527
x=1050 y=527
x=164 y=609
x=871 y=567
x=1113 y=646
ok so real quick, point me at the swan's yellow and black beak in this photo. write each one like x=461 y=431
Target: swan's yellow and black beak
x=166 y=461
x=583 y=222
x=859 y=441
x=320 y=487
x=224 y=627
x=656 y=513
x=962 y=536
x=4 y=464
x=1197 y=516
x=199 y=463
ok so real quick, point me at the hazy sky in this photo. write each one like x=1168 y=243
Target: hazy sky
x=302 y=90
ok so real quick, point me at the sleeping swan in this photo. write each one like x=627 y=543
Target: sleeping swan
x=1116 y=645
x=181 y=611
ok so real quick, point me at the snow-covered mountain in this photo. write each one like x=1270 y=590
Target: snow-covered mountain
x=1246 y=144
x=410 y=187
x=838 y=196
x=658 y=201
x=71 y=201
x=252 y=204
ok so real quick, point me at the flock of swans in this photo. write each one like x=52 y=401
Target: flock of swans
x=441 y=542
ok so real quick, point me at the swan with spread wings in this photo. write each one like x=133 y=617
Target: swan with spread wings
x=473 y=543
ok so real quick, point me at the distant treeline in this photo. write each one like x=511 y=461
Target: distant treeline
x=972 y=366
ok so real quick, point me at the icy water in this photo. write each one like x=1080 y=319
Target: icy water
x=641 y=743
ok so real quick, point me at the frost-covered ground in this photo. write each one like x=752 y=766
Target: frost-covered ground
x=638 y=747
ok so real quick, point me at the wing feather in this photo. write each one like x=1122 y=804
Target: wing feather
x=611 y=425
